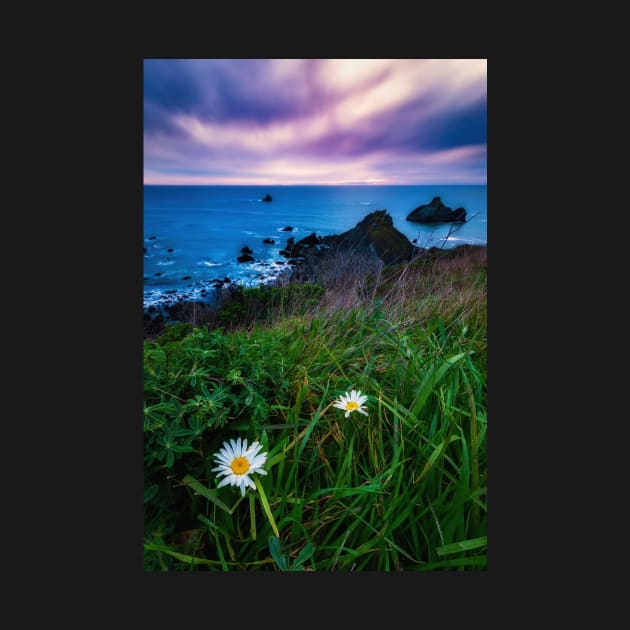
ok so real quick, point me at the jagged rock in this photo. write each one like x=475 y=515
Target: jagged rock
x=247 y=250
x=288 y=228
x=376 y=235
x=269 y=241
x=159 y=273
x=311 y=239
x=186 y=278
x=291 y=250
x=170 y=249
x=245 y=258
x=151 y=238
x=436 y=212
x=267 y=198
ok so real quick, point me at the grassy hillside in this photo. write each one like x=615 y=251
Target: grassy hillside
x=403 y=488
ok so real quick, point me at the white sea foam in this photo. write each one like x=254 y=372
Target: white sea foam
x=210 y=263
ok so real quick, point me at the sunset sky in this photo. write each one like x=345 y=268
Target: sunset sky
x=315 y=121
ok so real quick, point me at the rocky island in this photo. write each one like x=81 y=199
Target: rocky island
x=436 y=212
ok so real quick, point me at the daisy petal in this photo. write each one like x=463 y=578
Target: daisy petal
x=258 y=461
x=227 y=451
x=252 y=450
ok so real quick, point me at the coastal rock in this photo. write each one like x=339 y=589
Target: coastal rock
x=436 y=212
x=170 y=249
x=290 y=250
x=186 y=278
x=311 y=239
x=245 y=258
x=374 y=236
x=288 y=228
x=267 y=198
x=246 y=250
x=269 y=241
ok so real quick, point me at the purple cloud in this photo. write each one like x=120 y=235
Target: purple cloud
x=287 y=121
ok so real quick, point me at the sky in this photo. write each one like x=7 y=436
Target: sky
x=315 y=121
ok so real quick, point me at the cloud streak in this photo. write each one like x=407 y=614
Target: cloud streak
x=314 y=121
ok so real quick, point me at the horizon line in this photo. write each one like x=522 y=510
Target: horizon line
x=323 y=185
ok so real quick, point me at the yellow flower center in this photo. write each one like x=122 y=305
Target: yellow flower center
x=351 y=405
x=240 y=465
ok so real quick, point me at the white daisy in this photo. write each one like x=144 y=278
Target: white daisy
x=352 y=402
x=237 y=462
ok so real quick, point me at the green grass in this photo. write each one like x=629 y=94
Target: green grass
x=401 y=489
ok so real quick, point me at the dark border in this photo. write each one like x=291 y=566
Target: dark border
x=109 y=437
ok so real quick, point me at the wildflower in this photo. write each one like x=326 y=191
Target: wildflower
x=352 y=402
x=237 y=462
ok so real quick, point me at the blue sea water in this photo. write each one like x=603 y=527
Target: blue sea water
x=194 y=234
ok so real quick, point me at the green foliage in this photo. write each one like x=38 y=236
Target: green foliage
x=262 y=304
x=401 y=489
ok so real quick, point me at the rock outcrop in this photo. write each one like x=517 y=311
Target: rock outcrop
x=436 y=212
x=375 y=236
x=267 y=198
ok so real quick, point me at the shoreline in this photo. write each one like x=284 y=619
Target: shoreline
x=198 y=311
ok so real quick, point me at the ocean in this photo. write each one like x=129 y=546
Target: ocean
x=194 y=234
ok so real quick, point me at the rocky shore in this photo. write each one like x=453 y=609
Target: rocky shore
x=374 y=238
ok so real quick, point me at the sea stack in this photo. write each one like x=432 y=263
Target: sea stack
x=436 y=212
x=267 y=198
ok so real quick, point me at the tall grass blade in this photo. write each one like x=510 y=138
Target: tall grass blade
x=265 y=506
x=463 y=545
